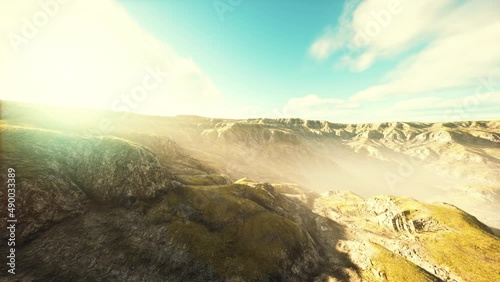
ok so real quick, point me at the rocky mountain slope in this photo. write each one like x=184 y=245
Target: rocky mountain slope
x=446 y=162
x=164 y=199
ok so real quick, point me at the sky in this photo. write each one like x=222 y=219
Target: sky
x=343 y=61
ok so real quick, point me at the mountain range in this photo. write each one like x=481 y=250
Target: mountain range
x=117 y=196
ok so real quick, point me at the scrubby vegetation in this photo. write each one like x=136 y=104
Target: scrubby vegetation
x=464 y=244
x=229 y=229
x=394 y=267
x=202 y=180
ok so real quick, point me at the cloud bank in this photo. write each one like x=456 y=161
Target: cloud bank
x=459 y=42
x=441 y=46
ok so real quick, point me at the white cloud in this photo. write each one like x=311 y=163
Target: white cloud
x=91 y=53
x=372 y=29
x=314 y=102
x=324 y=46
x=459 y=39
x=425 y=109
x=315 y=107
x=454 y=61
x=419 y=103
x=460 y=108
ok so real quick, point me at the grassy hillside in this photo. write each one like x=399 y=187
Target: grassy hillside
x=464 y=244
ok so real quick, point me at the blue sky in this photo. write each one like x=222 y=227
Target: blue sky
x=256 y=53
x=343 y=61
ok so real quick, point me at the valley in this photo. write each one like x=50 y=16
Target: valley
x=190 y=198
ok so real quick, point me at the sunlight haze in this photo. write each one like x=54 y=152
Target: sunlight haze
x=352 y=61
